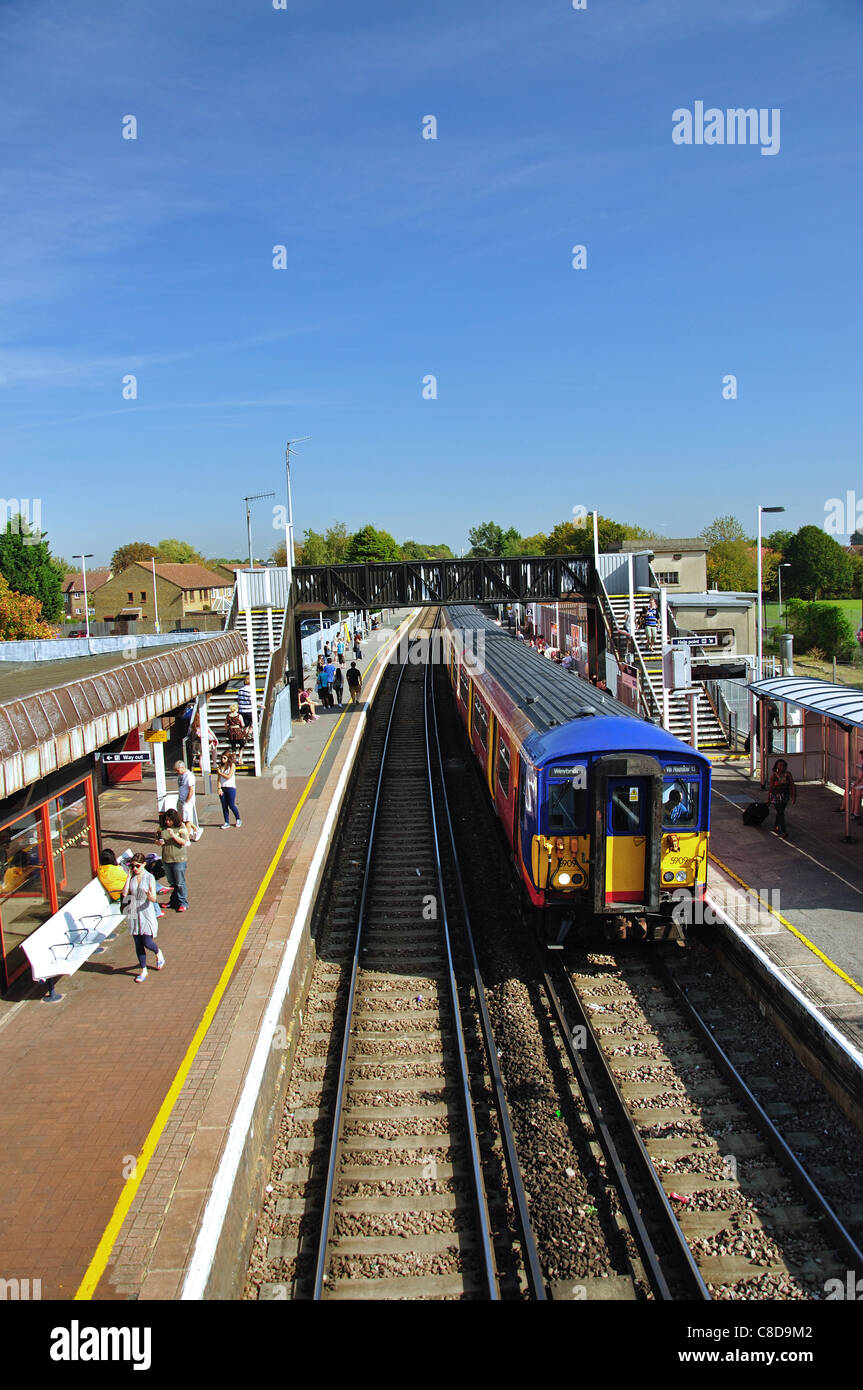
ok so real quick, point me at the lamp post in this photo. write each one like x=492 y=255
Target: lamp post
x=84 y=558
x=761 y=510
x=289 y=529
x=779 y=572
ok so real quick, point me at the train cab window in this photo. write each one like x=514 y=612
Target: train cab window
x=503 y=768
x=680 y=805
x=480 y=720
x=567 y=809
x=463 y=685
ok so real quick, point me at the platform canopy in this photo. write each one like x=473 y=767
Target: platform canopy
x=841 y=702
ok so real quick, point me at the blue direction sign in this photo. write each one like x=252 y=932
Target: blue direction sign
x=142 y=757
x=708 y=639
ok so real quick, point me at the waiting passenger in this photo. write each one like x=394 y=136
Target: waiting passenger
x=781 y=790
x=110 y=874
x=139 y=904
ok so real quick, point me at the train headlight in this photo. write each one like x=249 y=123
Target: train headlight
x=681 y=876
x=563 y=879
x=668 y=877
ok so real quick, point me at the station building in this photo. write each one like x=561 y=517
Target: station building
x=57 y=720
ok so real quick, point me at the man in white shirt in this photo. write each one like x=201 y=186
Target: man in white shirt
x=186 y=808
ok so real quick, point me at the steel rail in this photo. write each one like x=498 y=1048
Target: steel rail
x=653 y=1262
x=774 y=1139
x=327 y=1210
x=483 y=1218
x=533 y=1269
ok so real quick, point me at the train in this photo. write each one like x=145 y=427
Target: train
x=607 y=816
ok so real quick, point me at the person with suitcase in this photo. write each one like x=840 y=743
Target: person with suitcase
x=781 y=791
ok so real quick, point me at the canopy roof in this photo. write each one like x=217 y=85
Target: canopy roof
x=841 y=702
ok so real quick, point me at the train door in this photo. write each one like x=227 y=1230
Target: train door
x=627 y=832
x=627 y=805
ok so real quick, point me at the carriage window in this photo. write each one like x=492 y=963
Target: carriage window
x=480 y=719
x=463 y=684
x=680 y=805
x=567 y=809
x=503 y=768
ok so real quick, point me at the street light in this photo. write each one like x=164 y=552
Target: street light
x=289 y=529
x=786 y=566
x=760 y=613
x=84 y=559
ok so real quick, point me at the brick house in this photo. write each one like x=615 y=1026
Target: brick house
x=184 y=592
x=73 y=592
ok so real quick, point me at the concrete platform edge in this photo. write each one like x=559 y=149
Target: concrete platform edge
x=227 y=1225
x=829 y=1056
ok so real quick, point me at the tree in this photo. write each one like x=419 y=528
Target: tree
x=779 y=541
x=280 y=555
x=20 y=615
x=819 y=565
x=174 y=552
x=368 y=546
x=126 y=555
x=532 y=545
x=731 y=566
x=821 y=625
x=27 y=566
x=416 y=550
x=486 y=540
x=338 y=543
x=576 y=537
x=723 y=528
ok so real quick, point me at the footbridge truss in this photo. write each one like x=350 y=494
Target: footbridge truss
x=428 y=583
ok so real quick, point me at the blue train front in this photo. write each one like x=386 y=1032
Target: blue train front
x=607 y=815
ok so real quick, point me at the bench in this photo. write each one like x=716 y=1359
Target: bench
x=72 y=935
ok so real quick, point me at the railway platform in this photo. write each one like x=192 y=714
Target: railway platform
x=128 y=1106
x=797 y=903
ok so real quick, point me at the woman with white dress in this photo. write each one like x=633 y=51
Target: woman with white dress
x=139 y=904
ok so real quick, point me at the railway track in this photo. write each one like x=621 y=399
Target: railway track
x=402 y=1175
x=709 y=1202
x=753 y=1223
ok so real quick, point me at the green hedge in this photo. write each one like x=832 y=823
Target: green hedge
x=821 y=625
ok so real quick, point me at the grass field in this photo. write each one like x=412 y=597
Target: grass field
x=846 y=673
x=851 y=607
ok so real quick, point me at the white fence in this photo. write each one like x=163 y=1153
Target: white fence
x=267 y=588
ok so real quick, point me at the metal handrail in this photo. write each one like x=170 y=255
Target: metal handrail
x=644 y=685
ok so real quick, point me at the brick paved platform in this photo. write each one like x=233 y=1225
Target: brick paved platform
x=86 y=1078
x=814 y=882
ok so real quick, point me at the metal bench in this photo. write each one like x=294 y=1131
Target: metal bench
x=72 y=935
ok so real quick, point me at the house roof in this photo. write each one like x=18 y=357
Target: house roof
x=74 y=583
x=186 y=576
x=661 y=546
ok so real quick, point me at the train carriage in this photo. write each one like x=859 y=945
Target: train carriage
x=607 y=815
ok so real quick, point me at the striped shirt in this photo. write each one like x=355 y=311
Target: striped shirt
x=244 y=699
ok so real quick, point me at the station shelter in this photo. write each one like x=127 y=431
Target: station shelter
x=57 y=720
x=815 y=725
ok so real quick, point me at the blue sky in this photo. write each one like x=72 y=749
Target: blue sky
x=407 y=257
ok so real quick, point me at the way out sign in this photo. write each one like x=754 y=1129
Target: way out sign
x=143 y=756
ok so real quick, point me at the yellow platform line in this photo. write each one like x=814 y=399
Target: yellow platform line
x=831 y=965
x=102 y=1255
